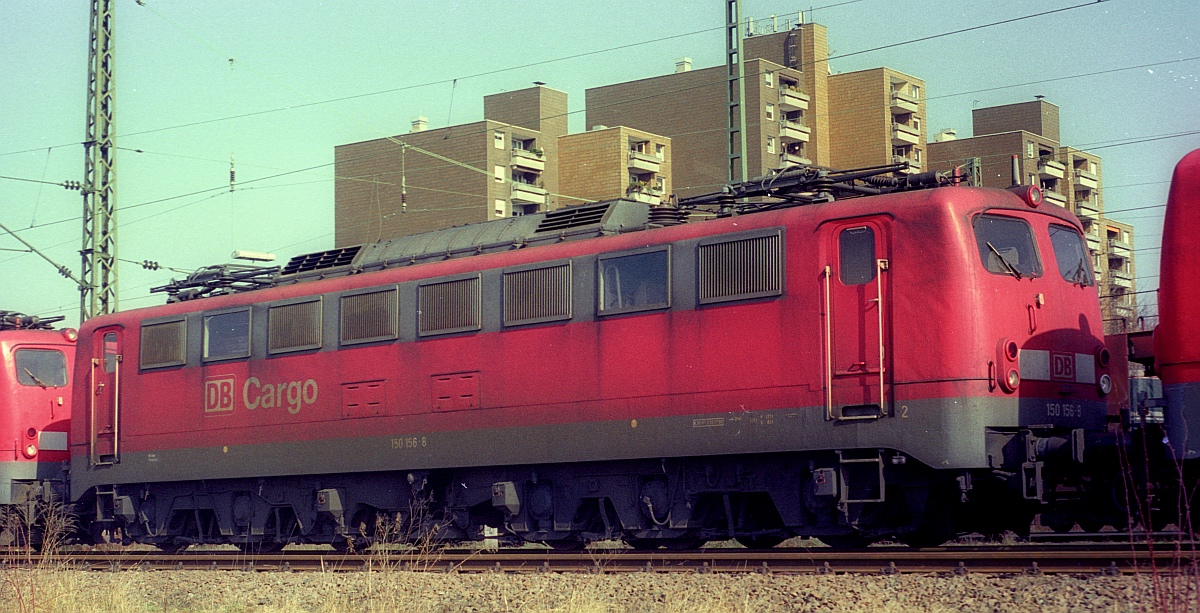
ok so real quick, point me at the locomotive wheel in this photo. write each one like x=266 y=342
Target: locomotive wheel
x=759 y=542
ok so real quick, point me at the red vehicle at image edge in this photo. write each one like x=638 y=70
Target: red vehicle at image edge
x=35 y=410
x=910 y=363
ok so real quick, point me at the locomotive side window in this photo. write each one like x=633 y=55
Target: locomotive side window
x=635 y=282
x=741 y=269
x=1073 y=262
x=856 y=256
x=448 y=306
x=373 y=316
x=41 y=367
x=227 y=335
x=164 y=344
x=537 y=295
x=294 y=327
x=1006 y=246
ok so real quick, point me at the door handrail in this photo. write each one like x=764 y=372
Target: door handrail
x=828 y=349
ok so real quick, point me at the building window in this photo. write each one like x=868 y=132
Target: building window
x=917 y=155
x=769 y=78
x=498 y=140
x=660 y=151
x=1030 y=149
x=500 y=207
x=227 y=335
x=770 y=111
x=916 y=91
x=770 y=144
x=499 y=170
x=635 y=282
x=916 y=123
x=659 y=184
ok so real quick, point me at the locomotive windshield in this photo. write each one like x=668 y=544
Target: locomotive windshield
x=1006 y=246
x=1073 y=262
x=41 y=367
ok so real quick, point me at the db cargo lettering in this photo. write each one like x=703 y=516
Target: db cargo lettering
x=290 y=394
x=218 y=394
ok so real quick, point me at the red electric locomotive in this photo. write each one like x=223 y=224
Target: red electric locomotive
x=1177 y=337
x=35 y=400
x=910 y=364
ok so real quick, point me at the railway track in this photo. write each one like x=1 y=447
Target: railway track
x=1029 y=559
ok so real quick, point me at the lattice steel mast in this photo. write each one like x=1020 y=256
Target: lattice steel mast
x=98 y=291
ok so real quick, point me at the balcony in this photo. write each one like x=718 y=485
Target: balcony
x=903 y=134
x=793 y=100
x=528 y=160
x=1123 y=310
x=1120 y=278
x=914 y=165
x=648 y=195
x=904 y=103
x=1086 y=180
x=793 y=159
x=1049 y=169
x=643 y=161
x=524 y=193
x=1118 y=248
x=1093 y=243
x=1087 y=208
x=793 y=131
x=1054 y=197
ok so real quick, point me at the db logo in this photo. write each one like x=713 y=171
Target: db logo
x=1062 y=366
x=218 y=394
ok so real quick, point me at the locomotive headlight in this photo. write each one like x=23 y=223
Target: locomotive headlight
x=1105 y=384
x=30 y=450
x=70 y=334
x=1010 y=381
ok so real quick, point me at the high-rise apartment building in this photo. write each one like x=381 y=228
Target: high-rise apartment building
x=876 y=117
x=425 y=180
x=786 y=102
x=1068 y=177
x=617 y=162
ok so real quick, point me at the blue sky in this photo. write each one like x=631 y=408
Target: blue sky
x=183 y=109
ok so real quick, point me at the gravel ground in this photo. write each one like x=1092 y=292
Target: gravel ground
x=60 y=590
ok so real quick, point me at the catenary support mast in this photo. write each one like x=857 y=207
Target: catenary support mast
x=98 y=291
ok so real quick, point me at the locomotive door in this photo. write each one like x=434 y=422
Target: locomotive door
x=104 y=401
x=857 y=354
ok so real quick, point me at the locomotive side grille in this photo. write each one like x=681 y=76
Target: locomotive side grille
x=164 y=344
x=741 y=269
x=537 y=295
x=449 y=306
x=370 y=317
x=293 y=327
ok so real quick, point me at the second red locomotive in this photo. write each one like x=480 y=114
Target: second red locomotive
x=912 y=364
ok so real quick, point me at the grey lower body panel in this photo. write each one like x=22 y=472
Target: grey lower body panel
x=943 y=434
x=26 y=472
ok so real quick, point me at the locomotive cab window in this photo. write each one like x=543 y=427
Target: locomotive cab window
x=637 y=282
x=1006 y=246
x=227 y=335
x=856 y=256
x=41 y=367
x=1069 y=251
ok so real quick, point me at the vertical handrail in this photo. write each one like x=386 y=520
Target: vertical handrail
x=881 y=265
x=95 y=459
x=828 y=350
x=116 y=412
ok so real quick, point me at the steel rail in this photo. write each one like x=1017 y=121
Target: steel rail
x=1026 y=560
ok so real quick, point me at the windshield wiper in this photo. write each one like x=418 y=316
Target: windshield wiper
x=34 y=377
x=1081 y=276
x=1009 y=265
